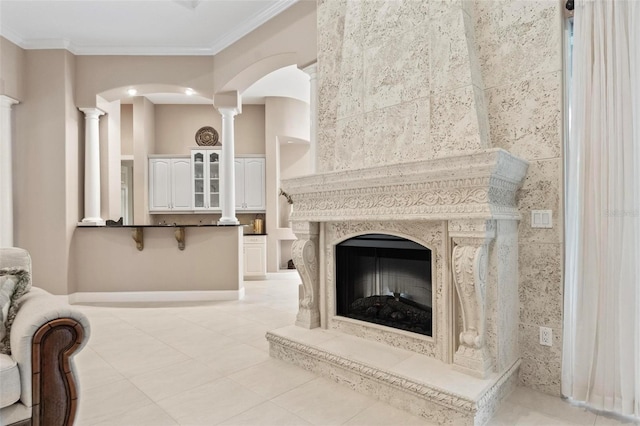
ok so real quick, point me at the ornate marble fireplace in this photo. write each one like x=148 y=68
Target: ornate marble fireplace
x=463 y=209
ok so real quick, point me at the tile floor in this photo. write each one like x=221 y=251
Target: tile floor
x=208 y=364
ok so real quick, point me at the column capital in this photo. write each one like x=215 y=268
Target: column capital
x=312 y=70
x=228 y=100
x=304 y=228
x=92 y=112
x=472 y=232
x=228 y=112
x=7 y=101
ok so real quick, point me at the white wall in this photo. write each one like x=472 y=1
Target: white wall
x=284 y=118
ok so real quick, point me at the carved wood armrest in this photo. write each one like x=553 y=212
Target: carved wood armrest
x=55 y=397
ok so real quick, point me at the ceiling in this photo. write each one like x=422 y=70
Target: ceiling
x=150 y=27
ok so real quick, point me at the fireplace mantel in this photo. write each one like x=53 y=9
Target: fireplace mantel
x=463 y=208
x=480 y=186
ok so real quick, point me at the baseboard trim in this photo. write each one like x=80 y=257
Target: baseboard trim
x=154 y=296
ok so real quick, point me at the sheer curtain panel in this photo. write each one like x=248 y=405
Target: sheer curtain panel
x=601 y=347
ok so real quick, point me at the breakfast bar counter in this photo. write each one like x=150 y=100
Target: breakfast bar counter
x=152 y=263
x=137 y=232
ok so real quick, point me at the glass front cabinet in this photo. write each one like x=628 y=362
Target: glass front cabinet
x=206 y=170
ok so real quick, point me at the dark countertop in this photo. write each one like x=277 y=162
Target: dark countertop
x=203 y=225
x=172 y=225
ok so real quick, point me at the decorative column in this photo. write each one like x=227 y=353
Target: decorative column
x=469 y=262
x=228 y=202
x=92 y=167
x=313 y=110
x=305 y=252
x=6 y=172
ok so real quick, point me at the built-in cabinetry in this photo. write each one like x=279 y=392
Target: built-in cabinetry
x=255 y=256
x=250 y=184
x=169 y=184
x=192 y=184
x=206 y=172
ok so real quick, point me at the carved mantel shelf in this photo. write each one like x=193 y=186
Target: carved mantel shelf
x=481 y=186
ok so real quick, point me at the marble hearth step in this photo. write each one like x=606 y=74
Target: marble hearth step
x=412 y=382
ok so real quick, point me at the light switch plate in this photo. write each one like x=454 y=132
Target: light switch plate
x=541 y=219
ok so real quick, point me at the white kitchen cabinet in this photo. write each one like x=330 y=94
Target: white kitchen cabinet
x=250 y=184
x=206 y=170
x=255 y=257
x=169 y=184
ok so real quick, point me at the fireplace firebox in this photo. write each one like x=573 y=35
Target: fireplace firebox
x=385 y=279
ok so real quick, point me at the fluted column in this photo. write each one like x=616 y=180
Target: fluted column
x=228 y=202
x=313 y=111
x=6 y=172
x=92 y=166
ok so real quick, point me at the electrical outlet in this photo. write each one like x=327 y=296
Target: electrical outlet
x=546 y=336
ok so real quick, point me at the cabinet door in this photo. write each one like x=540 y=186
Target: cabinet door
x=255 y=259
x=213 y=186
x=159 y=184
x=240 y=182
x=198 y=173
x=181 y=183
x=254 y=188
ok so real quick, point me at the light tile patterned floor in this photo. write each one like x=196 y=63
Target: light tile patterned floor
x=208 y=364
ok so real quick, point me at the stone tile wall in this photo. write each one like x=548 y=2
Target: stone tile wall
x=520 y=45
x=401 y=80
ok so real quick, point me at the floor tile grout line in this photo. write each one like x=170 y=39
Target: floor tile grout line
x=151 y=402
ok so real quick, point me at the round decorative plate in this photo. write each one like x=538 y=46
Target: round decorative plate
x=207 y=136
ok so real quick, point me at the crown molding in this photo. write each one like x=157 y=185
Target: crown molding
x=140 y=50
x=252 y=23
x=105 y=50
x=10 y=35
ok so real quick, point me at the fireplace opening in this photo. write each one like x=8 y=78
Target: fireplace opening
x=384 y=279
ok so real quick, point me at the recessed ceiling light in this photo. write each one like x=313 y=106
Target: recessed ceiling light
x=189 y=91
x=132 y=92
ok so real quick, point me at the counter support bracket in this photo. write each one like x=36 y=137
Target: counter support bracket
x=180 y=237
x=138 y=236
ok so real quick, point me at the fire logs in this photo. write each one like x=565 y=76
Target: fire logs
x=393 y=311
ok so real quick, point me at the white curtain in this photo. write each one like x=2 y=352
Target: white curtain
x=601 y=350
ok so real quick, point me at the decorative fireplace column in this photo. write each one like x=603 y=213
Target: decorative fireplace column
x=305 y=253
x=469 y=262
